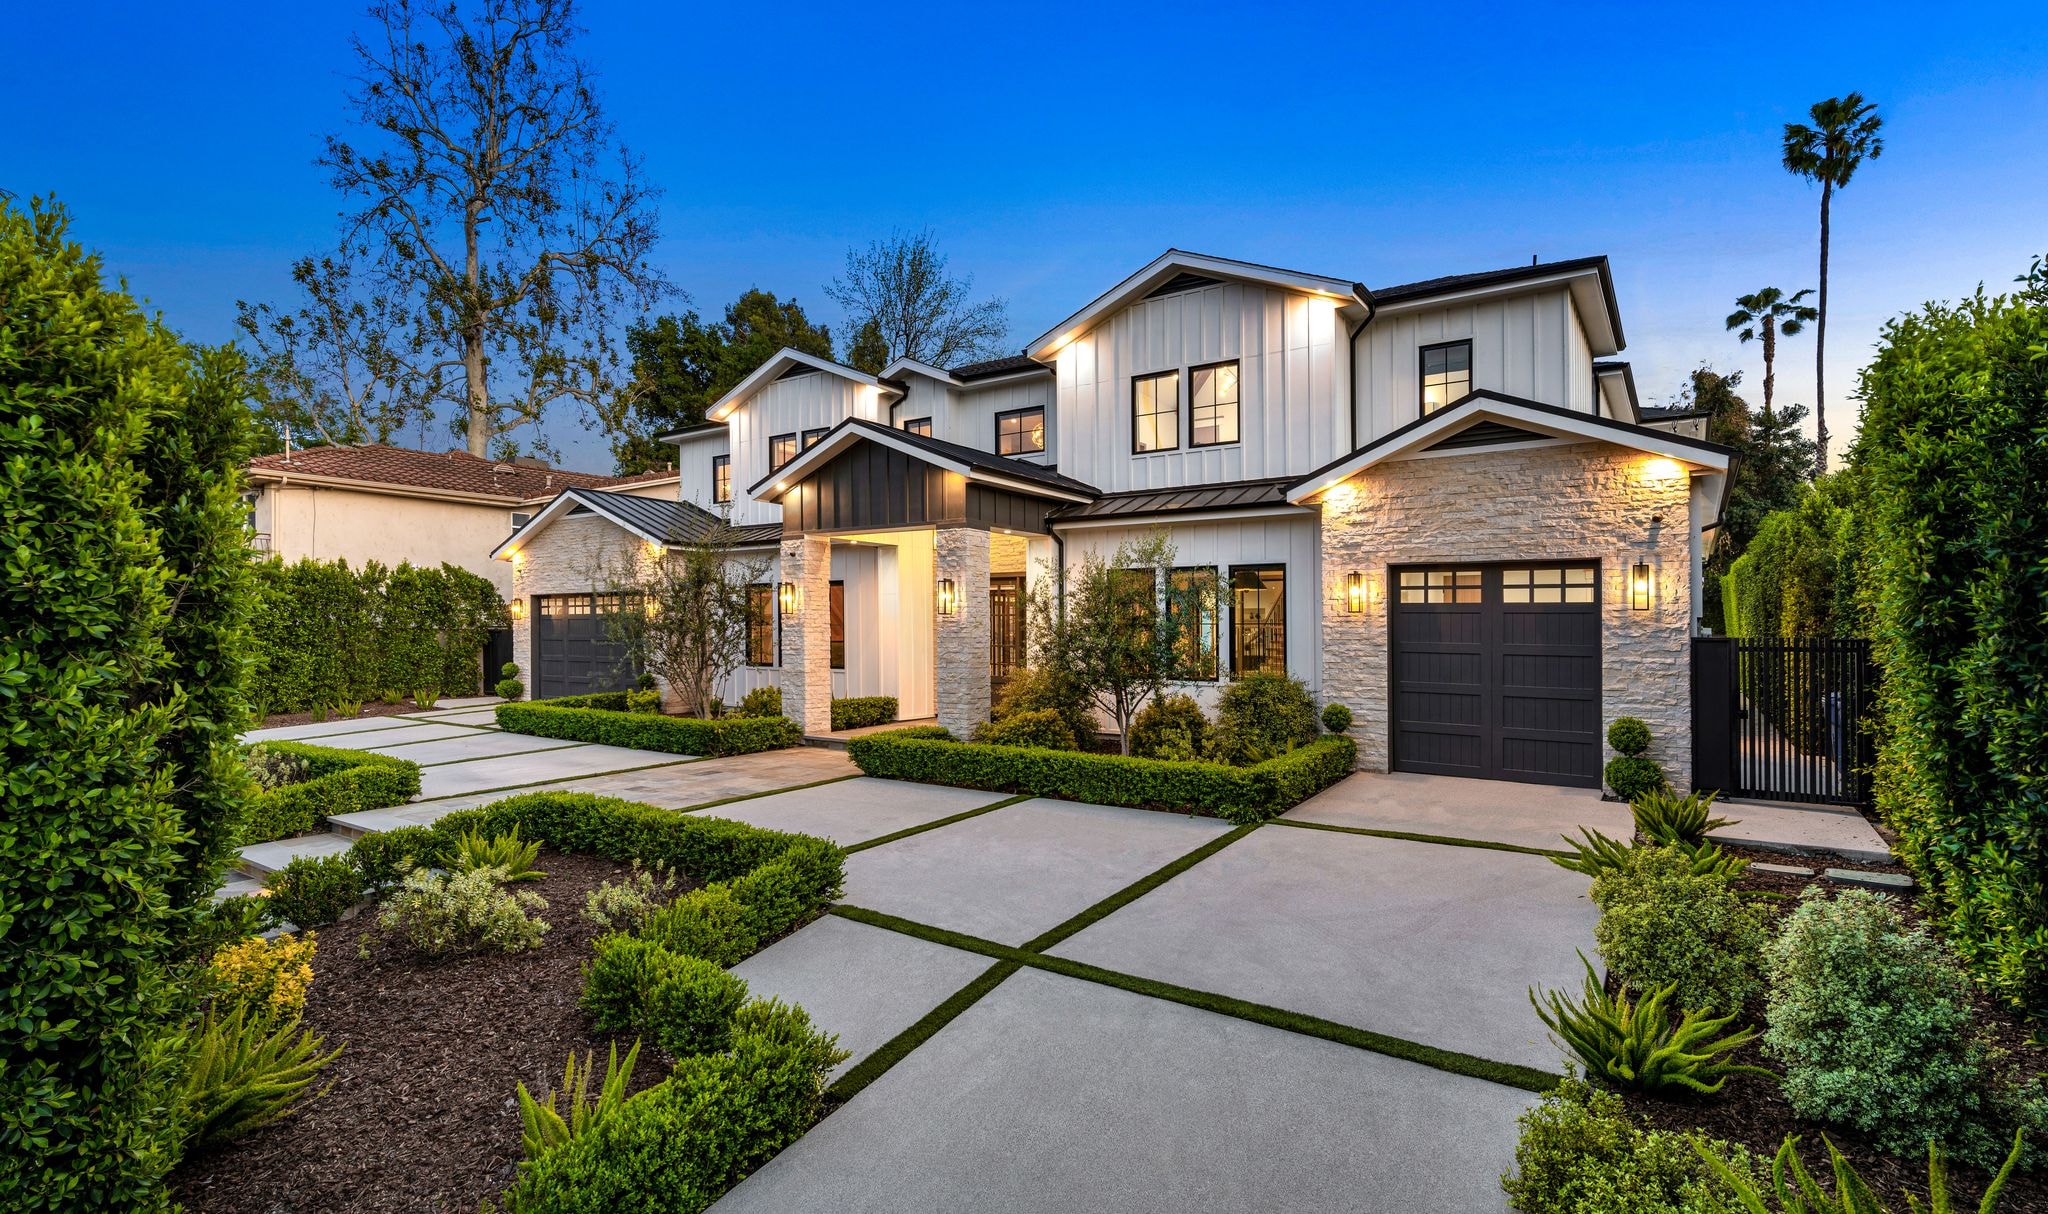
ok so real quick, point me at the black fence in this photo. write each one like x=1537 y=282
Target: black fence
x=1783 y=720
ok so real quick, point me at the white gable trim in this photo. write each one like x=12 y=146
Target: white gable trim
x=1173 y=262
x=563 y=503
x=784 y=360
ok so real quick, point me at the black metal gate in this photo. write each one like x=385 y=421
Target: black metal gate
x=1006 y=629
x=1783 y=720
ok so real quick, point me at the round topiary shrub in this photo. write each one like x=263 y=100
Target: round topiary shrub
x=1630 y=776
x=1336 y=718
x=1170 y=727
x=1043 y=729
x=510 y=689
x=690 y=1011
x=1628 y=736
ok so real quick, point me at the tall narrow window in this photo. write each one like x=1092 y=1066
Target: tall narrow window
x=1137 y=590
x=1258 y=619
x=1155 y=412
x=838 y=595
x=1021 y=432
x=1195 y=591
x=760 y=624
x=811 y=437
x=1446 y=374
x=721 y=479
x=1212 y=405
x=918 y=425
x=781 y=450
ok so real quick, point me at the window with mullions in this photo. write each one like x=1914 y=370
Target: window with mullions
x=1138 y=591
x=1021 y=432
x=811 y=437
x=1212 y=405
x=1258 y=619
x=721 y=479
x=1439 y=585
x=1155 y=412
x=1557 y=584
x=761 y=624
x=918 y=425
x=1446 y=374
x=838 y=610
x=1195 y=590
x=781 y=450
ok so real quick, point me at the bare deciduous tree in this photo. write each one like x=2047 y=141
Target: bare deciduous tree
x=326 y=371
x=901 y=304
x=680 y=612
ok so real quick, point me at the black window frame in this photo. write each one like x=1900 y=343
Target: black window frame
x=761 y=628
x=1215 y=622
x=910 y=426
x=1422 y=354
x=1264 y=627
x=1010 y=413
x=1236 y=406
x=835 y=609
x=794 y=450
x=1173 y=412
x=811 y=438
x=721 y=479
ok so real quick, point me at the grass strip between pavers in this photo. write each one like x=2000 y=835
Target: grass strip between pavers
x=1409 y=836
x=766 y=792
x=908 y=831
x=894 y=1050
x=1134 y=891
x=1506 y=1073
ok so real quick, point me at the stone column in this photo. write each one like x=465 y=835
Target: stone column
x=962 y=555
x=807 y=635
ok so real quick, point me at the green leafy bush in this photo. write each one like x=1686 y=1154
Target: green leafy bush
x=1634 y=1045
x=760 y=702
x=1261 y=716
x=1795 y=1191
x=1236 y=794
x=788 y=1026
x=314 y=891
x=449 y=914
x=506 y=855
x=859 y=712
x=1629 y=736
x=1631 y=776
x=383 y=857
x=1664 y=817
x=1336 y=717
x=1873 y=1021
x=273 y=768
x=730 y=735
x=643 y=701
x=621 y=906
x=709 y=923
x=1042 y=728
x=619 y=978
x=1042 y=687
x=571 y=1110
x=1171 y=726
x=246 y=1072
x=335 y=781
x=1579 y=1153
x=690 y=1010
x=1663 y=924
x=509 y=689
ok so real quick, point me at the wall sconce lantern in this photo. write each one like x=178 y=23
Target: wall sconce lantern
x=1354 y=592
x=949 y=597
x=519 y=609
x=1639 y=586
x=792 y=598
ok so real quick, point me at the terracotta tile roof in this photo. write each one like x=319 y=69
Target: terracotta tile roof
x=453 y=471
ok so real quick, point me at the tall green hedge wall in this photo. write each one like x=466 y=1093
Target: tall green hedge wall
x=1954 y=443
x=1800 y=575
x=326 y=632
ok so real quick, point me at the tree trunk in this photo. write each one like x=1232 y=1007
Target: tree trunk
x=477 y=398
x=1770 y=361
x=1820 y=343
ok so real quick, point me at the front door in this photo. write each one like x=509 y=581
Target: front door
x=1005 y=630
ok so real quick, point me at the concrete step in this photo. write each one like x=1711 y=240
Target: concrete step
x=238 y=886
x=259 y=860
x=370 y=821
x=825 y=741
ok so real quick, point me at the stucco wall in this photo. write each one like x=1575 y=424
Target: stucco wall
x=1589 y=501
x=330 y=523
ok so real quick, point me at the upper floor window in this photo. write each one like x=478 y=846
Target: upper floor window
x=1212 y=405
x=1446 y=374
x=781 y=450
x=811 y=437
x=721 y=478
x=1021 y=432
x=1155 y=412
x=918 y=425
x=520 y=520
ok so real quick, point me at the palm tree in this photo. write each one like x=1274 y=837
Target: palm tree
x=1843 y=136
x=1765 y=315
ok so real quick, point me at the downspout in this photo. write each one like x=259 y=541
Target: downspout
x=1351 y=352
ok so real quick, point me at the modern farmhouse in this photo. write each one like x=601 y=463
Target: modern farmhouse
x=1438 y=503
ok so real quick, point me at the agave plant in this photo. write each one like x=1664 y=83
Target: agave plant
x=513 y=858
x=1596 y=853
x=1635 y=1045
x=1852 y=1195
x=546 y=1127
x=247 y=1072
x=1667 y=818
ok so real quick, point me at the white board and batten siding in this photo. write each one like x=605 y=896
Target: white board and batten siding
x=967 y=415
x=1532 y=346
x=693 y=467
x=812 y=401
x=1293 y=364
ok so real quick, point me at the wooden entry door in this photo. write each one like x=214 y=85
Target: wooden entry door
x=1006 y=655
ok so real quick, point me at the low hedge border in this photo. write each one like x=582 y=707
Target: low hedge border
x=859 y=712
x=1243 y=795
x=592 y=719
x=338 y=782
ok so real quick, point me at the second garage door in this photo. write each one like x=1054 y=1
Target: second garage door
x=1496 y=672
x=573 y=655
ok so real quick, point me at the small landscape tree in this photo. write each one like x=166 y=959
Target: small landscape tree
x=681 y=612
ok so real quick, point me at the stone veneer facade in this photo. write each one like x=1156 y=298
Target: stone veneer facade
x=807 y=638
x=1588 y=501
x=962 y=554
x=564 y=559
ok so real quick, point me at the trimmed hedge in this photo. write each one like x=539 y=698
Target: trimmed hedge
x=1242 y=795
x=338 y=782
x=594 y=718
x=859 y=712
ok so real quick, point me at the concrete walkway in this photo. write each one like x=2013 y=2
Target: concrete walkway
x=1528 y=815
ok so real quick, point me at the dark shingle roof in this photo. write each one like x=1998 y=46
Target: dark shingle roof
x=1231 y=495
x=984 y=461
x=997 y=366
x=1484 y=278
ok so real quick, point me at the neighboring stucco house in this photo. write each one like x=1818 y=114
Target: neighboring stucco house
x=373 y=502
x=1439 y=503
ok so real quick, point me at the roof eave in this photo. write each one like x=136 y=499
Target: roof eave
x=1162 y=269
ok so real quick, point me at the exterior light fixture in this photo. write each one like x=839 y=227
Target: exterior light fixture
x=1354 y=592
x=792 y=598
x=1639 y=586
x=949 y=597
x=519 y=609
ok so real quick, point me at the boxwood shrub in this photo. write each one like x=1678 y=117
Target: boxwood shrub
x=603 y=718
x=338 y=782
x=928 y=754
x=859 y=712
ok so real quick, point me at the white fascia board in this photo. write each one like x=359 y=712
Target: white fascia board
x=562 y=504
x=1163 y=268
x=1588 y=296
x=784 y=360
x=897 y=369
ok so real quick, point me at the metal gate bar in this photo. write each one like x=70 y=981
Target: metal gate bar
x=1784 y=720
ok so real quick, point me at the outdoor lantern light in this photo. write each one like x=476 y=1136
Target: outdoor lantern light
x=1354 y=592
x=518 y=609
x=792 y=598
x=949 y=597
x=1639 y=586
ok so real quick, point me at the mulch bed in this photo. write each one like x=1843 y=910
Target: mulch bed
x=423 y=1114
x=374 y=708
x=1752 y=1111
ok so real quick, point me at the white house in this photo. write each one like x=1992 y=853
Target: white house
x=1438 y=503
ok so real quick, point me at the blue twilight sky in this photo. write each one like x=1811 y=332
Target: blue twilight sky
x=1055 y=148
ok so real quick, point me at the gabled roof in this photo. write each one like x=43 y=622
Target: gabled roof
x=1622 y=379
x=1590 y=279
x=455 y=472
x=1172 y=264
x=974 y=464
x=652 y=519
x=690 y=432
x=787 y=361
x=967 y=373
x=1536 y=419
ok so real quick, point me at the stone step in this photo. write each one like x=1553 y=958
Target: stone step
x=259 y=860
x=825 y=741
x=238 y=886
x=370 y=821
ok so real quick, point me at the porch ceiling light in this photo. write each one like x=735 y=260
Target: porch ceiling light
x=1639 y=586
x=792 y=598
x=1354 y=592
x=949 y=597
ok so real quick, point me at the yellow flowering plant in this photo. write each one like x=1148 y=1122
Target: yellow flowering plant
x=268 y=977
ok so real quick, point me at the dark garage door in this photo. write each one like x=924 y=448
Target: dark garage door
x=1496 y=672
x=572 y=655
